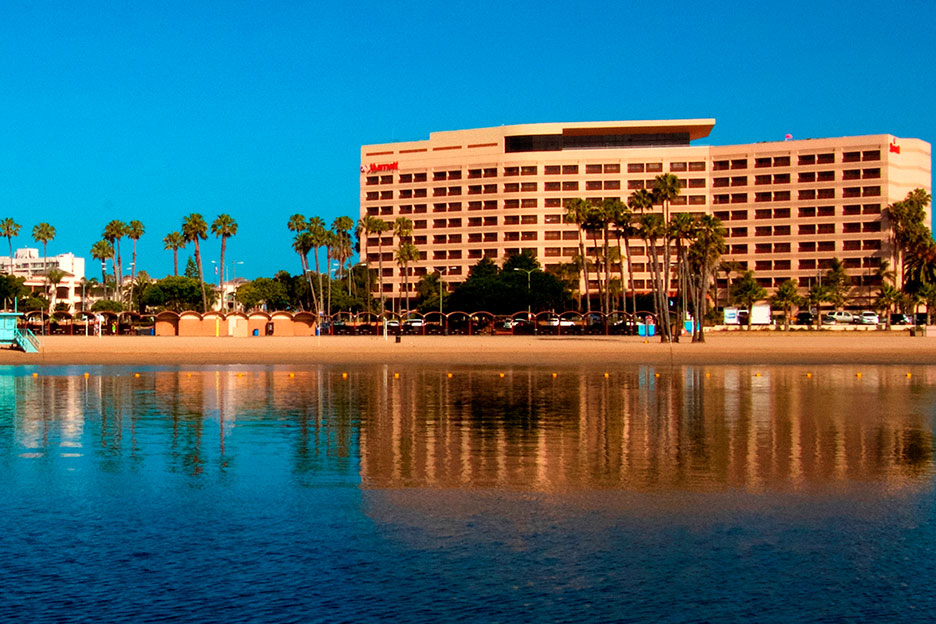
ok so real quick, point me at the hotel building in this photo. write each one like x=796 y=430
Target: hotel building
x=789 y=207
x=31 y=265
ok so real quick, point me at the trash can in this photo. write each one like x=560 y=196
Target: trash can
x=256 y=332
x=269 y=328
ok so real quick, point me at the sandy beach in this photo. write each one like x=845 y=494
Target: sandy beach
x=733 y=347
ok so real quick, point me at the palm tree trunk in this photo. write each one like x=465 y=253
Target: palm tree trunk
x=10 y=243
x=607 y=261
x=201 y=276
x=175 y=262
x=221 y=271
x=584 y=261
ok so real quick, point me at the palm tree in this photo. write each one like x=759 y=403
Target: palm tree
x=342 y=227
x=682 y=227
x=316 y=229
x=665 y=190
x=888 y=296
x=44 y=233
x=403 y=229
x=577 y=211
x=54 y=276
x=746 y=291
x=331 y=240
x=102 y=250
x=113 y=232
x=624 y=228
x=135 y=231
x=302 y=245
x=223 y=227
x=785 y=298
x=651 y=229
x=707 y=246
x=175 y=242
x=372 y=225
x=194 y=229
x=9 y=228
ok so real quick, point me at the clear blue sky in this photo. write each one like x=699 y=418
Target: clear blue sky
x=153 y=110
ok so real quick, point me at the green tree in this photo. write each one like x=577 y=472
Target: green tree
x=817 y=294
x=44 y=233
x=838 y=283
x=195 y=230
x=578 y=211
x=263 y=293
x=173 y=293
x=343 y=247
x=223 y=227
x=174 y=241
x=8 y=229
x=135 y=232
x=316 y=229
x=406 y=252
x=665 y=189
x=746 y=291
x=54 y=276
x=191 y=269
x=786 y=298
x=906 y=220
x=102 y=250
x=12 y=287
x=704 y=252
x=113 y=232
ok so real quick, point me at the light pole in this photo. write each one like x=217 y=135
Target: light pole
x=234 y=269
x=529 y=302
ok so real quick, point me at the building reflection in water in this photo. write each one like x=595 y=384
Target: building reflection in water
x=637 y=428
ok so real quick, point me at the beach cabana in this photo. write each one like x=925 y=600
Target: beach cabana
x=303 y=324
x=190 y=324
x=237 y=324
x=282 y=323
x=256 y=323
x=167 y=323
x=213 y=324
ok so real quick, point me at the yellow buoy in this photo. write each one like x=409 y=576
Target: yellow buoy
x=857 y=374
x=87 y=374
x=606 y=375
x=757 y=374
x=344 y=375
x=808 y=375
x=136 y=374
x=396 y=375
x=555 y=375
x=35 y=374
x=501 y=374
x=909 y=375
x=291 y=375
x=656 y=374
x=449 y=375
x=708 y=374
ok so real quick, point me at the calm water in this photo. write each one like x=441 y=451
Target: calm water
x=688 y=494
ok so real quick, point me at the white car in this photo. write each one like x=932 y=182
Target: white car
x=867 y=318
x=838 y=317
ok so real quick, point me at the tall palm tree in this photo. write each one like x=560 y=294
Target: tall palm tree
x=135 y=231
x=223 y=227
x=403 y=229
x=707 y=246
x=194 y=230
x=652 y=229
x=54 y=277
x=113 y=232
x=174 y=241
x=302 y=245
x=10 y=228
x=44 y=233
x=577 y=211
x=342 y=227
x=682 y=228
x=102 y=250
x=331 y=241
x=316 y=229
x=379 y=227
x=665 y=190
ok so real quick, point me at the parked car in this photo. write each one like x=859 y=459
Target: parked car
x=804 y=318
x=867 y=317
x=899 y=319
x=838 y=317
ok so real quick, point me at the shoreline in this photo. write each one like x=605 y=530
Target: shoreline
x=719 y=348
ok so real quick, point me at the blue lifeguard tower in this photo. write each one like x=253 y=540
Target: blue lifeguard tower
x=11 y=336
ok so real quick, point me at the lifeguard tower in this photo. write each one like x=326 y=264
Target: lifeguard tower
x=13 y=337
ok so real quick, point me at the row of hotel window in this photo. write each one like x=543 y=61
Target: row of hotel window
x=802 y=195
x=803 y=177
x=803 y=212
x=615 y=168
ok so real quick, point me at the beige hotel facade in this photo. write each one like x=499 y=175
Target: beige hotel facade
x=789 y=207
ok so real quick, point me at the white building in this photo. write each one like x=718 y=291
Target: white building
x=29 y=263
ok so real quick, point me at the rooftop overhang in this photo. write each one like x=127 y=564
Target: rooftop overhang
x=695 y=128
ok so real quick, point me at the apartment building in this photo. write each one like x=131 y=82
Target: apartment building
x=789 y=207
x=29 y=263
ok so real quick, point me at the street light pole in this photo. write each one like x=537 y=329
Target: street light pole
x=529 y=302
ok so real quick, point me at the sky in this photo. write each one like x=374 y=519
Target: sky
x=154 y=110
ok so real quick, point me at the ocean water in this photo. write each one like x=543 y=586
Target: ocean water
x=475 y=494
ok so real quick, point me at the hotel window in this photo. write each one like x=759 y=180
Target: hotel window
x=871 y=173
x=419 y=224
x=826 y=176
x=529 y=202
x=438 y=239
x=528 y=187
x=553 y=202
x=474 y=190
x=852 y=191
x=678 y=166
x=807 y=247
x=851 y=174
x=528 y=219
x=738 y=232
x=762 y=179
x=552 y=235
x=511 y=236
x=781 y=161
x=512 y=187
x=739 y=181
x=569 y=169
x=654 y=167
x=490 y=221
x=570 y=235
x=763 y=230
x=872 y=244
x=635 y=167
x=763 y=213
x=871 y=226
x=851 y=210
x=851 y=245
x=552 y=218
x=695 y=183
x=454 y=223
x=511 y=171
x=570 y=186
x=406 y=178
x=474 y=222
x=826 y=211
x=781 y=248
x=763 y=196
x=490 y=237
x=528 y=236
x=781 y=195
x=697 y=166
x=871 y=209
x=635 y=184
x=552 y=252
x=511 y=203
x=807 y=264
x=805 y=282
x=762 y=265
x=420 y=192
x=872 y=191
x=781 y=213
x=651 y=184
x=552 y=169
x=552 y=186
x=592 y=168
x=438 y=223
x=696 y=200
x=612 y=168
x=721 y=165
x=871 y=155
x=851 y=157
x=386 y=210
x=386 y=194
x=826 y=246
x=455 y=254
x=825 y=228
x=474 y=173
x=851 y=228
x=807 y=229
x=405 y=210
x=438 y=207
x=593 y=185
x=490 y=188
x=569 y=251
x=679 y=200
x=406 y=193
x=806 y=176
x=454 y=190
x=781 y=178
x=490 y=204
x=738 y=215
x=372 y=196
x=372 y=180
x=528 y=170
x=612 y=185
x=420 y=177
x=825 y=159
x=739 y=198
x=490 y=172
x=438 y=175
x=781 y=230
x=474 y=237
x=420 y=208
x=739 y=249
x=474 y=253
x=852 y=263
x=762 y=162
x=808 y=159
x=720 y=182
x=455 y=175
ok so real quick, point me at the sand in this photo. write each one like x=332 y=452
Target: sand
x=724 y=347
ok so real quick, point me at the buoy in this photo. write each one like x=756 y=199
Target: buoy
x=87 y=375
x=909 y=375
x=555 y=375
x=857 y=374
x=136 y=374
x=344 y=375
x=656 y=374
x=808 y=375
x=35 y=374
x=188 y=374
x=502 y=374
x=757 y=374
x=291 y=375
x=396 y=375
x=449 y=375
x=240 y=374
x=606 y=375
x=708 y=375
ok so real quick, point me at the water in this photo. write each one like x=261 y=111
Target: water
x=687 y=494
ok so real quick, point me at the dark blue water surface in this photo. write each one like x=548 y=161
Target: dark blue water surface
x=269 y=494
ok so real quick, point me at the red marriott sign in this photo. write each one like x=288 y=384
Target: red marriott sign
x=375 y=167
